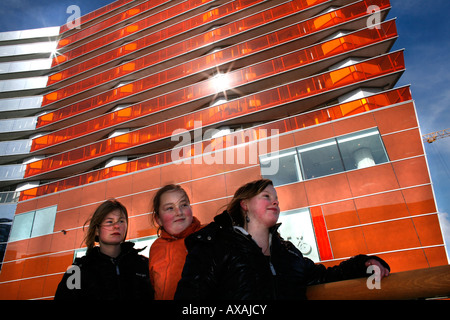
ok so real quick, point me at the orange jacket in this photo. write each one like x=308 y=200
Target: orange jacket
x=166 y=261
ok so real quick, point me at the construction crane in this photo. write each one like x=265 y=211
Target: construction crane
x=433 y=136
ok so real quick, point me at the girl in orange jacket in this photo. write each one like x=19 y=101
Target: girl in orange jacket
x=173 y=215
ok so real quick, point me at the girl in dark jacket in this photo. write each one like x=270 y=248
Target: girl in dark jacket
x=111 y=271
x=241 y=255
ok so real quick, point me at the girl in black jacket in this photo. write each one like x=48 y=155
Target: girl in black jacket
x=241 y=255
x=111 y=271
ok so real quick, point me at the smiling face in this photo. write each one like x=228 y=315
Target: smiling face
x=175 y=213
x=263 y=208
x=113 y=228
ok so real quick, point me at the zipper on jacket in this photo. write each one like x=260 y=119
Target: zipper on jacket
x=116 y=264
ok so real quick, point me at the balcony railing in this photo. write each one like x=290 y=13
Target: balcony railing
x=107 y=23
x=292 y=123
x=9 y=197
x=324 y=21
x=416 y=284
x=97 y=13
x=370 y=69
x=139 y=86
x=173 y=30
x=241 y=50
x=291 y=61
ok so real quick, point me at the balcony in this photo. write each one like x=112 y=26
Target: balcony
x=139 y=90
x=227 y=35
x=174 y=30
x=14 y=150
x=291 y=123
x=381 y=72
x=20 y=107
x=105 y=24
x=11 y=173
x=302 y=58
x=9 y=197
x=416 y=284
x=98 y=13
x=17 y=128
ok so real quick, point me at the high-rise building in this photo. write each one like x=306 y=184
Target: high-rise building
x=211 y=94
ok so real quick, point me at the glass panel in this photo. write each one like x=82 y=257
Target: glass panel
x=297 y=227
x=282 y=168
x=157 y=36
x=97 y=13
x=6 y=218
x=21 y=228
x=12 y=172
x=301 y=121
x=246 y=105
x=362 y=149
x=320 y=159
x=228 y=30
x=15 y=147
x=23 y=66
x=104 y=24
x=30 y=48
x=20 y=103
x=44 y=221
x=18 y=124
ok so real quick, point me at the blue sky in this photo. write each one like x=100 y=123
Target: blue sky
x=423 y=27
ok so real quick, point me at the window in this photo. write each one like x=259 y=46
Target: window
x=44 y=221
x=33 y=224
x=22 y=226
x=282 y=168
x=362 y=149
x=349 y=152
x=6 y=218
x=297 y=227
x=320 y=159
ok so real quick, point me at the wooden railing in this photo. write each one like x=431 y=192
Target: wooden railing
x=416 y=284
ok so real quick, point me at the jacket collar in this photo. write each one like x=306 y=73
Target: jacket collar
x=225 y=220
x=125 y=248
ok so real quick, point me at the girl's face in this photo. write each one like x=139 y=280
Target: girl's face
x=175 y=213
x=263 y=208
x=113 y=228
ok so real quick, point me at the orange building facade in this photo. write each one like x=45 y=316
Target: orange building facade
x=211 y=95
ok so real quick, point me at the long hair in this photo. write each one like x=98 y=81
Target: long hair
x=97 y=218
x=245 y=192
x=156 y=203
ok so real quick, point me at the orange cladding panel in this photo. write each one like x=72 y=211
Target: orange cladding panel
x=378 y=178
x=396 y=119
x=404 y=144
x=420 y=200
x=340 y=214
x=426 y=227
x=347 y=242
x=327 y=189
x=292 y=196
x=381 y=207
x=412 y=172
x=391 y=235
